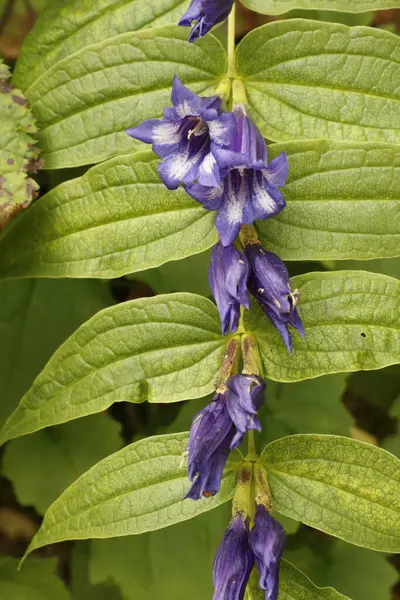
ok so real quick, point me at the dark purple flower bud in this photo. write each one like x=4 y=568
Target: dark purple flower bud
x=186 y=136
x=227 y=276
x=249 y=188
x=218 y=429
x=205 y=14
x=267 y=541
x=233 y=562
x=269 y=283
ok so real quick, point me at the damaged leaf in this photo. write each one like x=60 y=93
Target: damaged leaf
x=18 y=152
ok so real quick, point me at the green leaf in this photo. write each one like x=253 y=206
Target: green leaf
x=141 y=488
x=116 y=219
x=37 y=581
x=343 y=487
x=277 y=7
x=294 y=585
x=85 y=102
x=163 y=349
x=309 y=79
x=35 y=318
x=158 y=572
x=351 y=321
x=17 y=150
x=66 y=452
x=61 y=31
x=342 y=202
x=358 y=572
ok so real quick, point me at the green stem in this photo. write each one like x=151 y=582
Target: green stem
x=251 y=446
x=232 y=43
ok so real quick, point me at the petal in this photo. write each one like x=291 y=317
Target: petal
x=230 y=215
x=227 y=159
x=233 y=562
x=297 y=323
x=181 y=166
x=263 y=204
x=184 y=100
x=277 y=171
x=145 y=131
x=267 y=541
x=209 y=172
x=193 y=13
x=222 y=129
x=211 y=198
x=246 y=393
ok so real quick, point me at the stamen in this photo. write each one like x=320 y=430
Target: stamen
x=200 y=128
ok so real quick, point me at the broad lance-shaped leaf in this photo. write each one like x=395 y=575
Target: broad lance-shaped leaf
x=141 y=488
x=343 y=202
x=342 y=199
x=163 y=349
x=56 y=35
x=309 y=79
x=116 y=219
x=277 y=7
x=293 y=585
x=351 y=321
x=344 y=487
x=85 y=102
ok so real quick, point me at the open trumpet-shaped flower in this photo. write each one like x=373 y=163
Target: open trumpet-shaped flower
x=218 y=429
x=249 y=188
x=204 y=14
x=185 y=137
x=269 y=283
x=227 y=276
x=233 y=562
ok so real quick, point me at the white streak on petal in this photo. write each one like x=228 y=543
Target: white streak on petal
x=208 y=164
x=235 y=201
x=261 y=199
x=166 y=134
x=184 y=109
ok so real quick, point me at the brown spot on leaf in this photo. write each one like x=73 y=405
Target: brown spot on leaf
x=10 y=162
x=6 y=88
x=18 y=100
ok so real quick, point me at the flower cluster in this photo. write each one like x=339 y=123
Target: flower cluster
x=241 y=548
x=221 y=159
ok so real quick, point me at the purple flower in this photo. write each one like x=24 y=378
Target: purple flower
x=227 y=276
x=218 y=429
x=267 y=541
x=186 y=136
x=233 y=562
x=206 y=13
x=249 y=188
x=270 y=285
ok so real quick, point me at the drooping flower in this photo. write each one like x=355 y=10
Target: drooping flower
x=227 y=276
x=269 y=283
x=184 y=138
x=205 y=14
x=218 y=429
x=249 y=188
x=233 y=561
x=267 y=542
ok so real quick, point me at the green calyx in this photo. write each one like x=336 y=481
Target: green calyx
x=251 y=489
